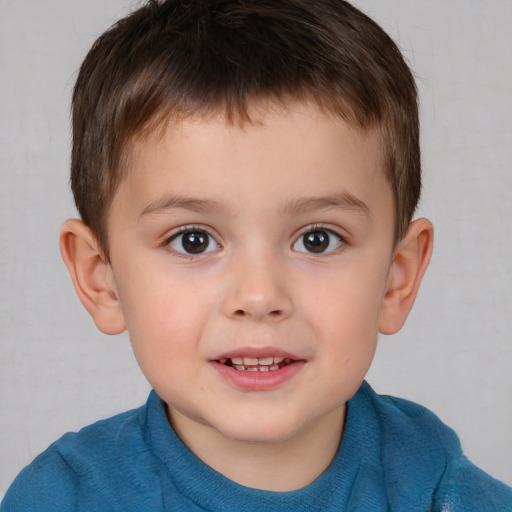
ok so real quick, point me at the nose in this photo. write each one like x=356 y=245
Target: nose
x=257 y=290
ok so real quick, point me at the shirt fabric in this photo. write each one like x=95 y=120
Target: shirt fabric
x=395 y=455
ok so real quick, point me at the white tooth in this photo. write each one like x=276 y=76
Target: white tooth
x=274 y=367
x=223 y=360
x=265 y=360
x=263 y=368
x=237 y=360
x=252 y=369
x=250 y=361
x=278 y=360
x=239 y=367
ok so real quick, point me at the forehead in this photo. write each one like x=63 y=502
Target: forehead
x=295 y=149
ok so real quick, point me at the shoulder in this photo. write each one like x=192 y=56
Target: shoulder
x=467 y=488
x=407 y=426
x=56 y=479
x=408 y=430
x=48 y=480
x=419 y=451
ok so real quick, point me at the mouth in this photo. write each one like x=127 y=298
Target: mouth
x=256 y=364
x=260 y=369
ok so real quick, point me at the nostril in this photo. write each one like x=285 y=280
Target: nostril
x=240 y=313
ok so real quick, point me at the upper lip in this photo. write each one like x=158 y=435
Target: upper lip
x=257 y=352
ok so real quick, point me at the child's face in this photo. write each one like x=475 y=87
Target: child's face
x=274 y=242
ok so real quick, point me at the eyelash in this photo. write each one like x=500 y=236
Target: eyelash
x=310 y=229
x=183 y=230
x=321 y=228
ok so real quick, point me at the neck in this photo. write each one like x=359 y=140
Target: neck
x=279 y=466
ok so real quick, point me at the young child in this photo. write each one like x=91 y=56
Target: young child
x=246 y=172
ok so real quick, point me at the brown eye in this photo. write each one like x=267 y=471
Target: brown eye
x=318 y=241
x=193 y=242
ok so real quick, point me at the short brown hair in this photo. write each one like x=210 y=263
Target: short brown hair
x=178 y=58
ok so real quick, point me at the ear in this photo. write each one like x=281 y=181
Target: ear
x=410 y=261
x=92 y=276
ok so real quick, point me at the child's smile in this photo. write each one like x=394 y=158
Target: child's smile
x=251 y=265
x=259 y=371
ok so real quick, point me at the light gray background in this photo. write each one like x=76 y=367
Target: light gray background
x=454 y=355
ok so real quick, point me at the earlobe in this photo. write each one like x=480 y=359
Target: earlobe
x=92 y=276
x=410 y=261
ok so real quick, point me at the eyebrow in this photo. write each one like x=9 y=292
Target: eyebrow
x=166 y=203
x=343 y=201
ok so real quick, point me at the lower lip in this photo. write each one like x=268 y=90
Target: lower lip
x=258 y=381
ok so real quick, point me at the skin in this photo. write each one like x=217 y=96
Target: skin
x=254 y=192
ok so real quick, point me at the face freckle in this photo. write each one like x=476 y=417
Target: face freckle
x=278 y=320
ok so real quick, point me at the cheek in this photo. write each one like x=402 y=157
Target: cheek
x=165 y=332
x=347 y=311
x=353 y=299
x=150 y=294
x=165 y=315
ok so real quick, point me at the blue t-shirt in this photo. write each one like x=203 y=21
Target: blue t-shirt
x=395 y=455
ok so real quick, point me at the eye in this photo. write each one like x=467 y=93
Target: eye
x=193 y=241
x=318 y=241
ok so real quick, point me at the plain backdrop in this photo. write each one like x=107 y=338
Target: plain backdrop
x=58 y=373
